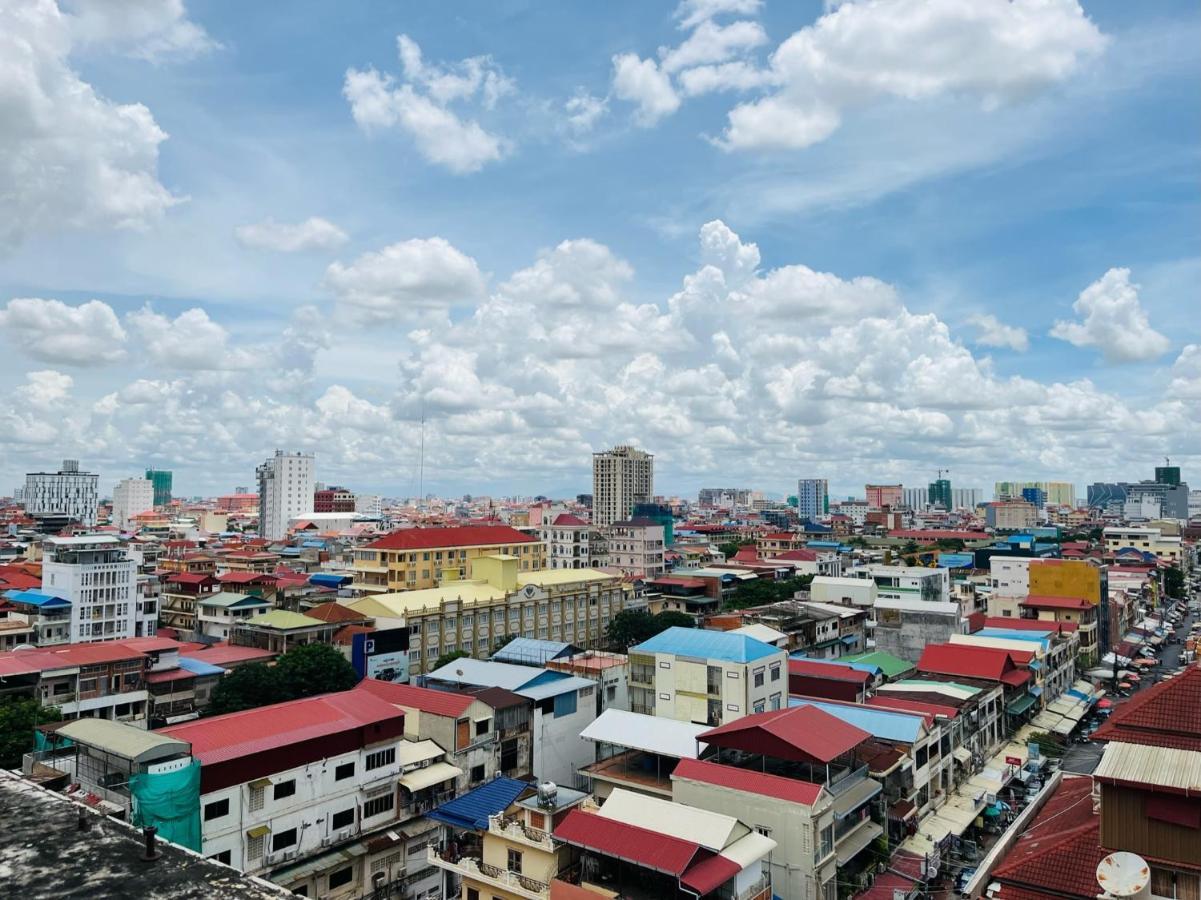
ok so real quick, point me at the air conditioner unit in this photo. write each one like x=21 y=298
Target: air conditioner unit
x=344 y=834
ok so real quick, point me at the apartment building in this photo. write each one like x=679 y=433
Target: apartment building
x=101 y=680
x=881 y=496
x=636 y=547
x=36 y=618
x=1010 y=515
x=621 y=478
x=709 y=677
x=67 y=492
x=415 y=559
x=571 y=543
x=180 y=596
x=813 y=498
x=131 y=496
x=218 y=614
x=501 y=600
x=285 y=491
x=1146 y=539
x=100 y=579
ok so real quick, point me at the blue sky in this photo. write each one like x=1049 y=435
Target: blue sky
x=879 y=175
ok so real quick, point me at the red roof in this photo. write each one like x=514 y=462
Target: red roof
x=799 y=734
x=224 y=654
x=987 y=663
x=805 y=793
x=453 y=536
x=247 y=578
x=935 y=534
x=335 y=612
x=929 y=710
x=169 y=675
x=780 y=536
x=1165 y=715
x=438 y=703
x=830 y=671
x=222 y=738
x=710 y=874
x=679 y=581
x=1042 y=602
x=804 y=554
x=567 y=519
x=1030 y=624
x=636 y=845
x=12 y=578
x=190 y=578
x=344 y=636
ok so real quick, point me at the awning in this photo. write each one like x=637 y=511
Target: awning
x=413 y=752
x=850 y=639
x=962 y=754
x=748 y=849
x=429 y=776
x=1035 y=690
x=854 y=843
x=1064 y=726
x=310 y=867
x=258 y=831
x=1020 y=705
x=1046 y=720
x=261 y=783
x=853 y=798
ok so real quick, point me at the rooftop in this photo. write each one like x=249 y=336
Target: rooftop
x=791 y=790
x=702 y=644
x=885 y=724
x=828 y=669
x=798 y=734
x=890 y=665
x=472 y=809
x=1165 y=715
x=335 y=612
x=986 y=663
x=283 y=620
x=126 y=741
x=1140 y=765
x=453 y=536
x=1036 y=601
x=428 y=700
x=651 y=734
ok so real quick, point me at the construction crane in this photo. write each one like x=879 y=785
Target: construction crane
x=941 y=472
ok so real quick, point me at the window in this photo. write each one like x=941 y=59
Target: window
x=565 y=704
x=760 y=706
x=473 y=894
x=827 y=842
x=283 y=840
x=302 y=891
x=343 y=819
x=341 y=877
x=381 y=758
x=775 y=673
x=254 y=847
x=759 y=678
x=763 y=830
x=344 y=771
x=216 y=809
x=223 y=857
x=378 y=805
x=514 y=860
x=284 y=789
x=256 y=798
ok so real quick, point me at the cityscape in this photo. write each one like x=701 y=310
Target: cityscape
x=699 y=450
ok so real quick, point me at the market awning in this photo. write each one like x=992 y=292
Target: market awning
x=857 y=840
x=1020 y=705
x=1064 y=726
x=962 y=754
x=1046 y=720
x=429 y=776
x=853 y=798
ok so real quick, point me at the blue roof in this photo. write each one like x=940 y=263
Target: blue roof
x=703 y=644
x=471 y=810
x=957 y=560
x=1012 y=634
x=888 y=725
x=531 y=651
x=324 y=579
x=36 y=598
x=196 y=667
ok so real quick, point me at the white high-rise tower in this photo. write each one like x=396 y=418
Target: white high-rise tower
x=621 y=477
x=285 y=492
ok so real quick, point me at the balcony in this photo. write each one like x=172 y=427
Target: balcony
x=475 y=869
x=514 y=829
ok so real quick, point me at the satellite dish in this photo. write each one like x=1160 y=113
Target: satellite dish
x=1124 y=874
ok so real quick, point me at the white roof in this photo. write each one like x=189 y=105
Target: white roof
x=711 y=830
x=651 y=734
x=837 y=609
x=83 y=539
x=760 y=633
x=1159 y=766
x=412 y=752
x=943 y=607
x=749 y=849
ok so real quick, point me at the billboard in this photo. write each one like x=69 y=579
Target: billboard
x=383 y=655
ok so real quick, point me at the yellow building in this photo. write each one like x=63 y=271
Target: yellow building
x=1146 y=539
x=499 y=600
x=1070 y=590
x=418 y=558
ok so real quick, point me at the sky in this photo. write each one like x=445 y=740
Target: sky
x=762 y=240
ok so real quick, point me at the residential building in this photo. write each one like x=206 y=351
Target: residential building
x=130 y=497
x=813 y=498
x=100 y=579
x=219 y=613
x=1055 y=493
x=278 y=630
x=106 y=681
x=285 y=492
x=569 y=543
x=724 y=498
x=636 y=547
x=906 y=582
x=421 y=558
x=637 y=752
x=46 y=619
x=938 y=494
x=916 y=498
x=1010 y=515
x=334 y=500
x=1147 y=539
x=708 y=677
x=369 y=505
x=180 y=595
x=846 y=591
x=67 y=492
x=883 y=496
x=499 y=601
x=966 y=498
x=621 y=477
x=611 y=672
x=160 y=481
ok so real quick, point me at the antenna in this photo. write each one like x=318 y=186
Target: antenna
x=421 y=460
x=1124 y=875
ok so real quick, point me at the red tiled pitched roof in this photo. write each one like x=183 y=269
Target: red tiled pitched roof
x=567 y=519
x=454 y=536
x=987 y=663
x=792 y=790
x=344 y=636
x=929 y=710
x=804 y=554
x=335 y=612
x=1165 y=715
x=1036 y=601
x=799 y=733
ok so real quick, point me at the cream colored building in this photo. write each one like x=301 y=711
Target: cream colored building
x=621 y=477
x=499 y=600
x=414 y=559
x=1150 y=540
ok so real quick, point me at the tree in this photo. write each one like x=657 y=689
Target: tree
x=246 y=687
x=761 y=592
x=910 y=547
x=952 y=544
x=18 y=718
x=633 y=626
x=449 y=657
x=301 y=672
x=669 y=618
x=1173 y=583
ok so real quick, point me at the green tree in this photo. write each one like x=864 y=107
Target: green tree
x=301 y=672
x=18 y=718
x=1173 y=583
x=910 y=547
x=450 y=657
x=760 y=592
x=671 y=619
x=630 y=627
x=952 y=544
x=246 y=687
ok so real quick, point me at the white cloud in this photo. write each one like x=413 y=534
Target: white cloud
x=86 y=335
x=69 y=158
x=997 y=51
x=712 y=43
x=155 y=30
x=1112 y=320
x=313 y=233
x=420 y=105
x=45 y=389
x=992 y=332
x=406 y=280
x=694 y=12
x=642 y=82
x=189 y=341
x=584 y=110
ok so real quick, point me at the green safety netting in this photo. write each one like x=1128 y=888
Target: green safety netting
x=42 y=742
x=170 y=801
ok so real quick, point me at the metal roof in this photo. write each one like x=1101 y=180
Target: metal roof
x=890 y=665
x=724 y=645
x=283 y=619
x=803 y=734
x=760 y=632
x=471 y=810
x=1175 y=771
x=553 y=687
x=197 y=667
x=791 y=790
x=708 y=829
x=413 y=752
x=531 y=651
x=226 y=599
x=428 y=776
x=36 y=598
x=888 y=725
x=427 y=700
x=631 y=843
x=134 y=744
x=651 y=734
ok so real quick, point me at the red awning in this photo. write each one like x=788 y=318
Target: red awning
x=710 y=874
x=639 y=846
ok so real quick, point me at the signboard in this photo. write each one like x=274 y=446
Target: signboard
x=1013 y=760
x=383 y=655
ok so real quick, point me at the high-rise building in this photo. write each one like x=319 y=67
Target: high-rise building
x=812 y=498
x=939 y=494
x=161 y=479
x=67 y=492
x=966 y=498
x=1035 y=495
x=285 y=492
x=95 y=573
x=333 y=499
x=915 y=497
x=621 y=477
x=882 y=495
x=1058 y=493
x=1167 y=475
x=130 y=497
x=724 y=497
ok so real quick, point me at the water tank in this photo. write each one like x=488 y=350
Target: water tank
x=548 y=793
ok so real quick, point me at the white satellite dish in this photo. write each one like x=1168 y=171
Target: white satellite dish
x=1124 y=874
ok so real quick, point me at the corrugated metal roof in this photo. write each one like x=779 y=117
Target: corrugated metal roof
x=471 y=810
x=283 y=619
x=227 y=654
x=36 y=598
x=760 y=632
x=887 y=725
x=708 y=829
x=531 y=651
x=618 y=840
x=485 y=673
x=791 y=790
x=1177 y=771
x=890 y=665
x=828 y=668
x=803 y=734
x=703 y=644
x=197 y=667
x=455 y=536
x=126 y=741
x=709 y=874
x=554 y=687
x=427 y=700
x=651 y=734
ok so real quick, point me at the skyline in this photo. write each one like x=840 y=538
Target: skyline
x=549 y=231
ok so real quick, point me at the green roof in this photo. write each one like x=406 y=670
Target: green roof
x=284 y=619
x=228 y=598
x=890 y=665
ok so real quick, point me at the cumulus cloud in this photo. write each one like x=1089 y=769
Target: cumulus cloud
x=86 y=335
x=584 y=111
x=406 y=280
x=1112 y=319
x=992 y=332
x=642 y=82
x=189 y=341
x=69 y=157
x=155 y=30
x=314 y=233
x=419 y=103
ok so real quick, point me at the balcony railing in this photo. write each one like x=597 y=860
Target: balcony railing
x=475 y=868
x=513 y=828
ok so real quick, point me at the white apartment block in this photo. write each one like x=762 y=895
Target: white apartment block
x=907 y=582
x=68 y=492
x=285 y=492
x=99 y=577
x=621 y=477
x=812 y=498
x=368 y=505
x=569 y=543
x=636 y=546
x=1009 y=576
x=130 y=497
